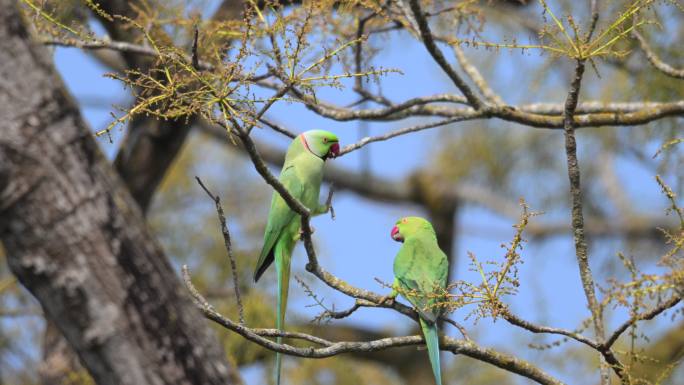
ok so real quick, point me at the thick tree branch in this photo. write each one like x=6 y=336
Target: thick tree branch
x=576 y=198
x=612 y=115
x=576 y=203
x=577 y=215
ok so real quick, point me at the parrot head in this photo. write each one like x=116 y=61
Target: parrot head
x=323 y=144
x=407 y=226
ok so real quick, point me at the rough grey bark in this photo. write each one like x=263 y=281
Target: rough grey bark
x=60 y=363
x=77 y=240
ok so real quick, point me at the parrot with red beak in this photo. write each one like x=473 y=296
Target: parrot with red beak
x=420 y=275
x=302 y=175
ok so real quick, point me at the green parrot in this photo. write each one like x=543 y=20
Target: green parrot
x=301 y=175
x=420 y=274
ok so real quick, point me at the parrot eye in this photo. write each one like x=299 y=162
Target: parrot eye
x=404 y=220
x=325 y=140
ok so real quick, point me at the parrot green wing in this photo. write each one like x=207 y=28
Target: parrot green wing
x=279 y=217
x=421 y=269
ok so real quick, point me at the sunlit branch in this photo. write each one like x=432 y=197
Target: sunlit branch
x=541 y=115
x=330 y=348
x=577 y=215
x=122 y=46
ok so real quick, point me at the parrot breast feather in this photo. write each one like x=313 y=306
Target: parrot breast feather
x=421 y=270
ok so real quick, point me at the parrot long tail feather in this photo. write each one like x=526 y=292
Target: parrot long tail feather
x=283 y=255
x=432 y=342
x=278 y=363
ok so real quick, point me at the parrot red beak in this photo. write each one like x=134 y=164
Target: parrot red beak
x=334 y=150
x=395 y=234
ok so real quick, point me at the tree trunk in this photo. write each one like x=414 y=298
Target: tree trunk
x=76 y=239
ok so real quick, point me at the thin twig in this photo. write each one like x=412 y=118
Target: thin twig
x=476 y=76
x=672 y=302
x=228 y=245
x=655 y=60
x=277 y=96
x=392 y=134
x=436 y=53
x=277 y=127
x=329 y=199
x=529 y=326
x=195 y=55
x=123 y=46
x=461 y=329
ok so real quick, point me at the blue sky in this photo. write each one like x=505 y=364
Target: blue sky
x=357 y=247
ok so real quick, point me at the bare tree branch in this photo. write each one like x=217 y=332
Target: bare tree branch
x=529 y=326
x=577 y=214
x=611 y=116
x=476 y=77
x=437 y=54
x=330 y=348
x=672 y=302
x=576 y=195
x=540 y=115
x=393 y=134
x=655 y=60
x=228 y=245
